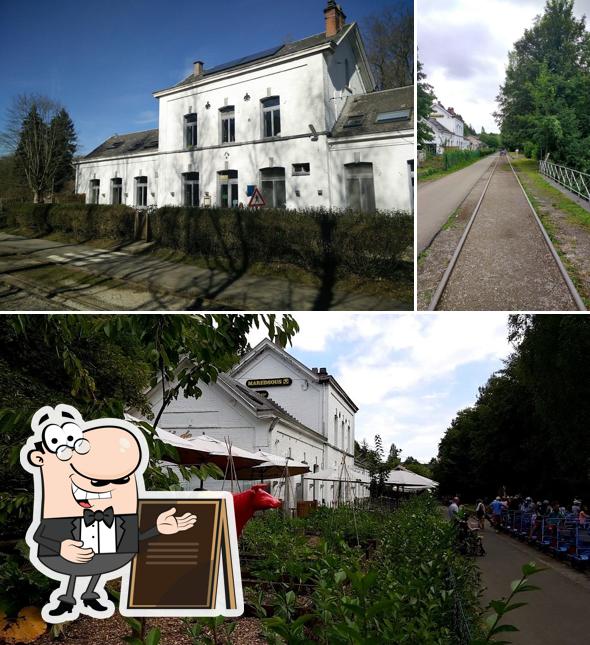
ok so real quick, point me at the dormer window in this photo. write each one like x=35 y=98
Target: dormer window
x=354 y=121
x=227 y=116
x=271 y=117
x=190 y=130
x=392 y=117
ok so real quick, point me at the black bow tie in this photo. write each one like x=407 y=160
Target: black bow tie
x=107 y=516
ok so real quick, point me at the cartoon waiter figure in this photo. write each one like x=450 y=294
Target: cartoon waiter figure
x=85 y=524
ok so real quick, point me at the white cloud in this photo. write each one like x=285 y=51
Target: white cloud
x=403 y=370
x=464 y=47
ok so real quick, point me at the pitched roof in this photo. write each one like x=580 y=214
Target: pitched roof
x=268 y=54
x=436 y=125
x=127 y=144
x=368 y=106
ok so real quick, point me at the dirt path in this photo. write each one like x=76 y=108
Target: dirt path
x=439 y=198
x=556 y=614
x=505 y=264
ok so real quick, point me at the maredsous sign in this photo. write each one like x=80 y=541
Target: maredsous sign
x=269 y=382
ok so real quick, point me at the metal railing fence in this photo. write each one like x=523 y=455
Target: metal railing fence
x=575 y=181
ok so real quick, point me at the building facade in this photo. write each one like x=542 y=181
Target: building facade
x=272 y=402
x=447 y=130
x=271 y=120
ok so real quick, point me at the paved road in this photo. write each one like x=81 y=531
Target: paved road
x=555 y=615
x=440 y=198
x=217 y=287
x=505 y=264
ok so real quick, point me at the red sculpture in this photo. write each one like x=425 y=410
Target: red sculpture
x=253 y=499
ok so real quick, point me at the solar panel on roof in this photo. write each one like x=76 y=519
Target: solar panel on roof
x=242 y=61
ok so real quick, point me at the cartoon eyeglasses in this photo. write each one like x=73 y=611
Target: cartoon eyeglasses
x=64 y=440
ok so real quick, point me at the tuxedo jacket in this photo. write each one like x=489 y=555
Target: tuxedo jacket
x=53 y=531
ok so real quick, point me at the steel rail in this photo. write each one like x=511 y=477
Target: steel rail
x=564 y=274
x=449 y=270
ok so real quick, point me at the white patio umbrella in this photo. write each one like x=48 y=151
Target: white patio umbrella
x=405 y=479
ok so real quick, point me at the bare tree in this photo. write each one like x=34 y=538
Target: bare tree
x=31 y=135
x=389 y=37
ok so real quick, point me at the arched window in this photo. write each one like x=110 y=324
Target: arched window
x=228 y=188
x=190 y=188
x=272 y=181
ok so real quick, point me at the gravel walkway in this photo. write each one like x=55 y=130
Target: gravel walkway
x=505 y=264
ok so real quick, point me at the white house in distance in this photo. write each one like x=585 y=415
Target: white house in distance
x=271 y=401
x=301 y=121
x=447 y=129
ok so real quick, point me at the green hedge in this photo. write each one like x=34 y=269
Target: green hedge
x=81 y=221
x=367 y=245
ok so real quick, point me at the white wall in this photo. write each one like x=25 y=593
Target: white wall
x=391 y=173
x=302 y=399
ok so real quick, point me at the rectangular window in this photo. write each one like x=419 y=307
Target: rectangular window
x=190 y=181
x=141 y=191
x=228 y=124
x=228 y=188
x=190 y=130
x=116 y=190
x=94 y=191
x=273 y=187
x=301 y=169
x=391 y=117
x=271 y=117
x=360 y=189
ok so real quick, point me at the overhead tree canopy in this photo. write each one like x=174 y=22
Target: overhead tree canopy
x=544 y=103
x=528 y=430
x=104 y=365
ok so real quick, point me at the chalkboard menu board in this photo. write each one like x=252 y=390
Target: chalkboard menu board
x=193 y=572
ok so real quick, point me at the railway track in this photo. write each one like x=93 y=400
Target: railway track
x=505 y=260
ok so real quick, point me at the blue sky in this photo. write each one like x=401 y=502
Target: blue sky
x=104 y=60
x=409 y=374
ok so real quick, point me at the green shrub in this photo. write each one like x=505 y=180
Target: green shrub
x=88 y=221
x=369 y=245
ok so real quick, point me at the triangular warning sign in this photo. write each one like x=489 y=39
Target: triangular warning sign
x=257 y=200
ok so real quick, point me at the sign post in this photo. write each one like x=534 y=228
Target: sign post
x=257 y=200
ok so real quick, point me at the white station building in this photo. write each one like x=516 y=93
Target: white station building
x=447 y=130
x=301 y=121
x=271 y=401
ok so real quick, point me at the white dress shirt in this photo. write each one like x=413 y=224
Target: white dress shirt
x=99 y=537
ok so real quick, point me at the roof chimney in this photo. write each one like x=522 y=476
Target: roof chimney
x=334 y=18
x=198 y=68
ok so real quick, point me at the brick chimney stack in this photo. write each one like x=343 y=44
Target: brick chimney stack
x=198 y=68
x=335 y=18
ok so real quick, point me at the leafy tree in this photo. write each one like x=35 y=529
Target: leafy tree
x=390 y=46
x=65 y=149
x=544 y=102
x=104 y=365
x=426 y=99
x=527 y=431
